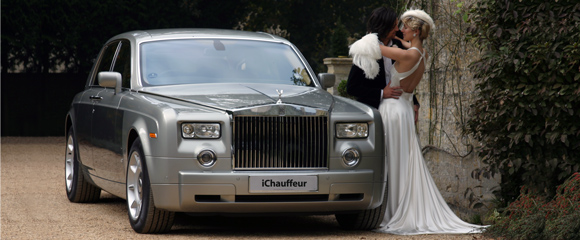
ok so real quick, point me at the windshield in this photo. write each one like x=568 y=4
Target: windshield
x=220 y=61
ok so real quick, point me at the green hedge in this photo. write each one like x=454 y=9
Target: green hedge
x=527 y=115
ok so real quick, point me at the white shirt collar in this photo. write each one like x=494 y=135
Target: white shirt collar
x=387 y=63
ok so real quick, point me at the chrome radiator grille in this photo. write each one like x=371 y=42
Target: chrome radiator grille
x=280 y=142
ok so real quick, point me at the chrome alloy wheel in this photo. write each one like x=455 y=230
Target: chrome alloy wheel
x=69 y=163
x=135 y=185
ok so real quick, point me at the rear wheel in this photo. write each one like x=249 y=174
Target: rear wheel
x=143 y=215
x=364 y=220
x=78 y=189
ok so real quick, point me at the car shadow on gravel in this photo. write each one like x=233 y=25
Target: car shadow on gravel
x=236 y=225
x=255 y=226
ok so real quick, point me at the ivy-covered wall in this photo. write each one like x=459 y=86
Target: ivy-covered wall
x=527 y=113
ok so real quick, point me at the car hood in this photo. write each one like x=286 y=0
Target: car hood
x=233 y=96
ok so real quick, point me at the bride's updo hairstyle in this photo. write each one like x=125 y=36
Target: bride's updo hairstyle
x=418 y=19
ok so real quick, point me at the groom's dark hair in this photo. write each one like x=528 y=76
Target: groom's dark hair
x=382 y=21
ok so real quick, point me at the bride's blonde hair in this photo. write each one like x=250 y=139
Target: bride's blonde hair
x=418 y=19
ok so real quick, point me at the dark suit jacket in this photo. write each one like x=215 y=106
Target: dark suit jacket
x=366 y=90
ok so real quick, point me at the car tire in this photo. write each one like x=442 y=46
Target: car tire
x=364 y=220
x=143 y=215
x=78 y=189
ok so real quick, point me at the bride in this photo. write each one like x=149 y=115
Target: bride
x=414 y=204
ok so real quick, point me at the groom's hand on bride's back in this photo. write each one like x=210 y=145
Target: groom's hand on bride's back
x=416 y=110
x=392 y=92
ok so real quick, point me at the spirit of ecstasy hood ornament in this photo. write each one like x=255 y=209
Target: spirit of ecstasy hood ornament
x=279 y=96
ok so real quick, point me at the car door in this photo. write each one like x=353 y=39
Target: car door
x=85 y=108
x=108 y=119
x=83 y=128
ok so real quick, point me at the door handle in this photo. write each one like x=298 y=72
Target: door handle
x=96 y=98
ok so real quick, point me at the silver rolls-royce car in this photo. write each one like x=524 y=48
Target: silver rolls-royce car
x=207 y=121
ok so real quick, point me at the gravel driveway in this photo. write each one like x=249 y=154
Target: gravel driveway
x=35 y=206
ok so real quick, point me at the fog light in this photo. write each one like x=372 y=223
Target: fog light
x=350 y=157
x=206 y=158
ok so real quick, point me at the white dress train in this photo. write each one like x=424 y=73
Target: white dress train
x=414 y=204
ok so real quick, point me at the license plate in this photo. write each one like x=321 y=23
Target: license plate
x=283 y=183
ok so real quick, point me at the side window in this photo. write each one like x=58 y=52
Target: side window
x=106 y=60
x=123 y=63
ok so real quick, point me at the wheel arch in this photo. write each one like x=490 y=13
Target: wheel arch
x=138 y=129
x=68 y=123
x=131 y=137
x=138 y=125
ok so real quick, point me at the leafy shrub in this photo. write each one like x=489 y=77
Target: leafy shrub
x=563 y=213
x=532 y=217
x=342 y=90
x=527 y=114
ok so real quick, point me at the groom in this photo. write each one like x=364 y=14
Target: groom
x=382 y=21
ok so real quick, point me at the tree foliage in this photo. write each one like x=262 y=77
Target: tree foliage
x=311 y=25
x=527 y=115
x=65 y=35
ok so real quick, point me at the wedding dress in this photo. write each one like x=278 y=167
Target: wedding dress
x=414 y=204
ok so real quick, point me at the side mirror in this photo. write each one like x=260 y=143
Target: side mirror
x=110 y=79
x=326 y=79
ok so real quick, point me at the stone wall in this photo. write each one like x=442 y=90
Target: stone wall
x=465 y=195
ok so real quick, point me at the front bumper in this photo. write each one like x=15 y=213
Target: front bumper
x=211 y=192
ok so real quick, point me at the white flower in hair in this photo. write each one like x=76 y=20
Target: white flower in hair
x=365 y=52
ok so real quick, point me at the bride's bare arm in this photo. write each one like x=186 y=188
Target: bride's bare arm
x=393 y=53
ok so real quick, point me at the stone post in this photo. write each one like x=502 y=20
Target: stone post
x=340 y=67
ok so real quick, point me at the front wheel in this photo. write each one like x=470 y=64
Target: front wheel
x=78 y=189
x=143 y=215
x=364 y=220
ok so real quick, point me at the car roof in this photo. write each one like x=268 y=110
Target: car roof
x=189 y=33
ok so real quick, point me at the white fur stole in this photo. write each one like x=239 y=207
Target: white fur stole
x=365 y=52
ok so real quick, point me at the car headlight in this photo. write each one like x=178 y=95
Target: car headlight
x=352 y=130
x=200 y=130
